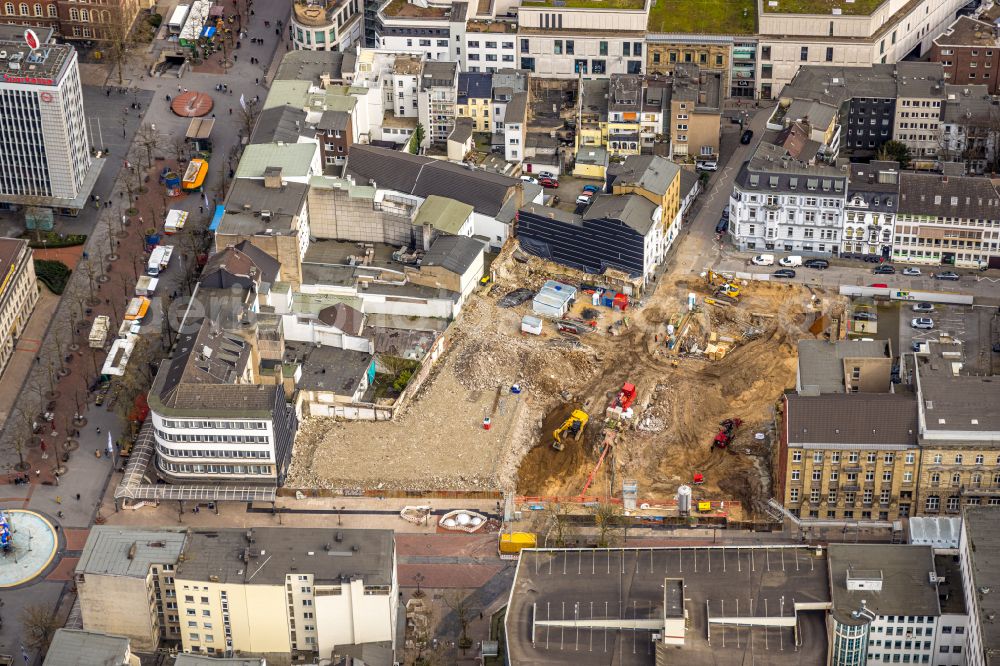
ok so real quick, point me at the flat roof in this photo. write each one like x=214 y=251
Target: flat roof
x=628 y=589
x=953 y=399
x=823 y=7
x=329 y=369
x=633 y=5
x=48 y=61
x=983 y=565
x=853 y=419
x=704 y=17
x=108 y=550
x=902 y=570
x=821 y=362
x=76 y=647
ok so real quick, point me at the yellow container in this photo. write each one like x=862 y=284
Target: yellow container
x=704 y=507
x=514 y=542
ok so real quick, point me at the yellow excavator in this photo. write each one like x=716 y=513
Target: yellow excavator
x=573 y=426
x=724 y=288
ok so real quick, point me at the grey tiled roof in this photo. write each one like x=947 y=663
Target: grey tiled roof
x=310 y=65
x=875 y=186
x=454 y=253
x=772 y=169
x=76 y=647
x=280 y=123
x=971 y=197
x=647 y=171
x=631 y=209
x=852 y=418
x=422 y=176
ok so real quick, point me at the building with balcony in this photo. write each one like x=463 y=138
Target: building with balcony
x=326 y=25
x=279 y=593
x=658 y=180
x=970 y=124
x=848 y=457
x=780 y=203
x=854 y=34
x=969 y=50
x=709 y=52
x=434 y=30
x=947 y=220
x=18 y=293
x=959 y=428
x=625 y=100
x=475 y=100
x=870 y=212
x=567 y=40
x=437 y=100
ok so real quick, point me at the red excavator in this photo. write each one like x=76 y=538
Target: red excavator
x=625 y=397
x=725 y=434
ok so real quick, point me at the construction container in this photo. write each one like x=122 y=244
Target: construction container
x=532 y=325
x=704 y=507
x=515 y=542
x=553 y=299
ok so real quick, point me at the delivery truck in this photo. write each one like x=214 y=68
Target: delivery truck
x=158 y=260
x=99 y=331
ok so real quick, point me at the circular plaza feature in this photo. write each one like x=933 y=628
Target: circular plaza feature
x=192 y=105
x=28 y=545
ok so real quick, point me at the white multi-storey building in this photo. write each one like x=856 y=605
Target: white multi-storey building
x=781 y=204
x=45 y=156
x=18 y=293
x=872 y=201
x=435 y=30
x=489 y=46
x=437 y=97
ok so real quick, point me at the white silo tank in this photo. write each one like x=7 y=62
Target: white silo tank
x=684 y=499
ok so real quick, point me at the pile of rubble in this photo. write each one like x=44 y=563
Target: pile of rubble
x=488 y=361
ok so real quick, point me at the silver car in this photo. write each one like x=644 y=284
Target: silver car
x=925 y=323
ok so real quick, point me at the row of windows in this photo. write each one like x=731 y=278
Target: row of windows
x=854 y=456
x=212 y=453
x=207 y=438
x=38 y=10
x=491 y=45
x=217 y=425
x=216 y=469
x=850 y=477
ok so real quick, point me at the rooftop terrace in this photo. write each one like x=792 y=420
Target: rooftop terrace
x=404 y=9
x=587 y=4
x=704 y=17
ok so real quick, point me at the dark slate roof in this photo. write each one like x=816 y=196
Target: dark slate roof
x=630 y=209
x=969 y=197
x=438 y=73
x=453 y=253
x=772 y=169
x=874 y=187
x=268 y=266
x=240 y=259
x=280 y=124
x=334 y=121
x=344 y=317
x=333 y=370
x=462 y=131
x=474 y=85
x=422 y=176
x=311 y=65
x=626 y=93
x=689 y=180
x=852 y=418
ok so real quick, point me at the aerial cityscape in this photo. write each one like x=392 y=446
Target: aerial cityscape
x=499 y=333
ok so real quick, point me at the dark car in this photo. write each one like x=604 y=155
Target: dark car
x=746 y=137
x=722 y=226
x=864 y=315
x=884 y=269
x=947 y=275
x=548 y=182
x=784 y=273
x=821 y=264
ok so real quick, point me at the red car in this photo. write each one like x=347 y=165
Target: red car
x=879 y=285
x=548 y=182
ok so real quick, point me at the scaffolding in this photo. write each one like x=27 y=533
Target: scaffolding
x=134 y=486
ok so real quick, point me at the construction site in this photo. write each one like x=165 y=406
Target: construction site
x=676 y=389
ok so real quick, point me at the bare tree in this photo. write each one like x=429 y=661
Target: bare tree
x=136 y=380
x=559 y=528
x=148 y=138
x=39 y=625
x=122 y=35
x=462 y=608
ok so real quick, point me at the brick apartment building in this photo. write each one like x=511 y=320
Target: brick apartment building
x=73 y=20
x=970 y=53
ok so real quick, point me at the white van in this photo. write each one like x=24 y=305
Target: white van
x=791 y=261
x=763 y=260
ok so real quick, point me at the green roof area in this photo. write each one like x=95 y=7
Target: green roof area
x=825 y=7
x=443 y=214
x=293 y=159
x=704 y=17
x=587 y=4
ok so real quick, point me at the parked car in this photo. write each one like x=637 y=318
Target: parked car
x=549 y=182
x=763 y=260
x=582 y=200
x=783 y=273
x=913 y=272
x=923 y=307
x=821 y=264
x=529 y=179
x=879 y=285
x=947 y=275
x=546 y=174
x=884 y=269
x=707 y=165
x=925 y=323
x=793 y=260
x=915 y=345
x=864 y=315
x=722 y=226
x=591 y=188
x=746 y=137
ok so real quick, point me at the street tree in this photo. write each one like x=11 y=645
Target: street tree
x=895 y=151
x=461 y=606
x=121 y=37
x=560 y=529
x=418 y=139
x=608 y=519
x=38 y=625
x=148 y=138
